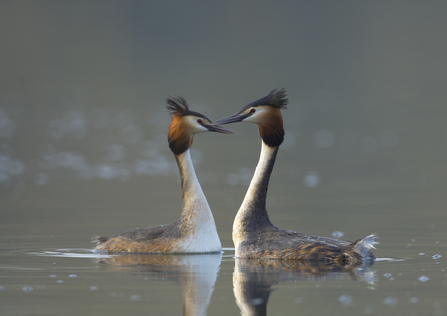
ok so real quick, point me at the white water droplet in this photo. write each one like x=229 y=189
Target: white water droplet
x=135 y=297
x=414 y=300
x=312 y=179
x=345 y=299
x=338 y=234
x=390 y=301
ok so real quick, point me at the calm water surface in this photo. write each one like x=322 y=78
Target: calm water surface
x=44 y=271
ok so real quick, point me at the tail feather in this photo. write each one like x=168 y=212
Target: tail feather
x=363 y=245
x=100 y=240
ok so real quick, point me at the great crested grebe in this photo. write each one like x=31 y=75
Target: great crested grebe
x=195 y=231
x=254 y=235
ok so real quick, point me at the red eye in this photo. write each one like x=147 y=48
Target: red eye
x=253 y=110
x=199 y=121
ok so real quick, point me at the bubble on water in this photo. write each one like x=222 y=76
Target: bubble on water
x=76 y=123
x=390 y=301
x=93 y=288
x=16 y=167
x=135 y=297
x=324 y=138
x=60 y=281
x=421 y=253
x=73 y=124
x=152 y=167
x=257 y=301
x=369 y=145
x=414 y=300
x=338 y=234
x=105 y=171
x=312 y=179
x=70 y=159
x=10 y=168
x=424 y=278
x=388 y=138
x=436 y=256
x=387 y=275
x=2 y=287
x=27 y=288
x=53 y=275
x=345 y=299
x=41 y=178
x=72 y=276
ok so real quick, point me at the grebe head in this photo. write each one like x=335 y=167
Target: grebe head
x=185 y=123
x=266 y=113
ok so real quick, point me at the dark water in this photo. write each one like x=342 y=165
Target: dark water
x=83 y=152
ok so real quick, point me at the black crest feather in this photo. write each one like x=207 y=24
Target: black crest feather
x=276 y=98
x=177 y=106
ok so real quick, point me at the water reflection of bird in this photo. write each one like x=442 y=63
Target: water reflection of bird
x=253 y=279
x=254 y=235
x=196 y=274
x=195 y=231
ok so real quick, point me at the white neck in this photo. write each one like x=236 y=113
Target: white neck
x=196 y=221
x=252 y=214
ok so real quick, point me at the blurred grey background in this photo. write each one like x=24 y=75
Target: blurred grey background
x=83 y=126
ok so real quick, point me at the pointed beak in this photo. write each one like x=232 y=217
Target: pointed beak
x=231 y=119
x=218 y=129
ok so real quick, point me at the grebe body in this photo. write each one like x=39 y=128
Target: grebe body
x=195 y=231
x=254 y=235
